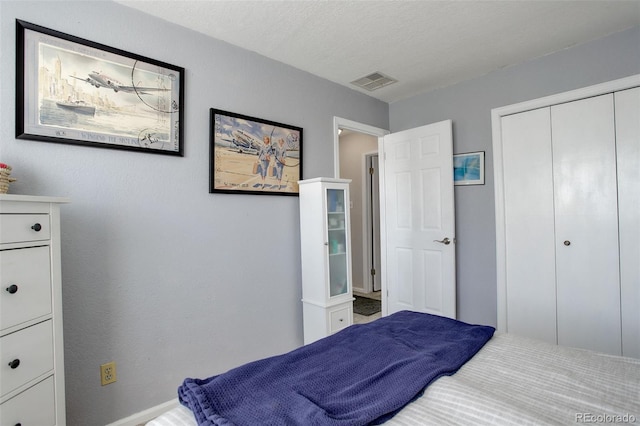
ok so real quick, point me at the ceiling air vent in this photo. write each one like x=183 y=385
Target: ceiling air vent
x=374 y=81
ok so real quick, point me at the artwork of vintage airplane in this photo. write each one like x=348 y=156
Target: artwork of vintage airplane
x=98 y=80
x=245 y=142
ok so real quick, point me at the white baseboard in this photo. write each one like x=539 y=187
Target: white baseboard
x=359 y=290
x=146 y=415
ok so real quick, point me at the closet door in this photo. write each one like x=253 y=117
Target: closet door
x=627 y=105
x=586 y=217
x=529 y=225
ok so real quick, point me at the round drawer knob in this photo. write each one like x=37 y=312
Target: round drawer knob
x=567 y=243
x=14 y=364
x=36 y=227
x=12 y=289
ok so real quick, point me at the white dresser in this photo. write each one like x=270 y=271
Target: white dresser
x=31 y=343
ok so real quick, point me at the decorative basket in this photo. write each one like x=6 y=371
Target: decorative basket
x=5 y=180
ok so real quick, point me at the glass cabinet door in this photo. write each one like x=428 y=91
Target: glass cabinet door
x=336 y=226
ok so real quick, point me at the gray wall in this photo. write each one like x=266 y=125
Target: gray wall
x=160 y=276
x=469 y=105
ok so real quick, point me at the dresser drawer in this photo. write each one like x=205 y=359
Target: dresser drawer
x=35 y=406
x=29 y=271
x=31 y=349
x=18 y=228
x=339 y=319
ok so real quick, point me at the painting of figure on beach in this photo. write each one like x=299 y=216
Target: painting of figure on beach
x=254 y=156
x=77 y=91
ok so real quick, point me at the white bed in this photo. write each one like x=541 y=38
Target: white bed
x=514 y=380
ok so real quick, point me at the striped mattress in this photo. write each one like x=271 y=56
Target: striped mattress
x=515 y=380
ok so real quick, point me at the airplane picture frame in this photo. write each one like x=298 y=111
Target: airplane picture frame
x=75 y=91
x=251 y=155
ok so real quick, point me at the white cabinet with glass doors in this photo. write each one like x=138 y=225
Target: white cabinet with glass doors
x=327 y=297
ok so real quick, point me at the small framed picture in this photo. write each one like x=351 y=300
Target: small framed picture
x=76 y=91
x=251 y=155
x=468 y=168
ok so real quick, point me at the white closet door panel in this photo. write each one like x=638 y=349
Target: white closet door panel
x=530 y=247
x=627 y=105
x=588 y=283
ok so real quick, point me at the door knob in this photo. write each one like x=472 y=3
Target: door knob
x=567 y=243
x=445 y=241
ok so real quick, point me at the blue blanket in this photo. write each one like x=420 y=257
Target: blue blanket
x=362 y=375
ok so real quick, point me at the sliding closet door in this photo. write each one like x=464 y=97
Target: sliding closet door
x=585 y=193
x=628 y=146
x=529 y=227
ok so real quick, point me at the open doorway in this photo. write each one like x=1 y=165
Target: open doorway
x=357 y=152
x=356 y=155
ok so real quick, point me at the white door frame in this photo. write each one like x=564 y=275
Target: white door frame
x=343 y=123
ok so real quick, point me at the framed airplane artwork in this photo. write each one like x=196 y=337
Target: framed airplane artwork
x=72 y=90
x=251 y=155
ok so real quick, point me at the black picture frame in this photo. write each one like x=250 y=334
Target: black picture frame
x=75 y=91
x=238 y=151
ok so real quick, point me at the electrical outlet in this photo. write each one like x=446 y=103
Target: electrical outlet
x=108 y=373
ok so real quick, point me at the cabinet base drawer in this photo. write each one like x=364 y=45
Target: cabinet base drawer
x=25 y=355
x=17 y=228
x=340 y=318
x=35 y=406
x=27 y=270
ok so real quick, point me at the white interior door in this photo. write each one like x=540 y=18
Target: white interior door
x=529 y=235
x=586 y=217
x=627 y=105
x=417 y=220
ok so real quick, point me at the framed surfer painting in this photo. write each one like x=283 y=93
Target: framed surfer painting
x=75 y=91
x=250 y=155
x=468 y=169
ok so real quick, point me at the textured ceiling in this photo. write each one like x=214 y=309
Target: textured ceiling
x=423 y=44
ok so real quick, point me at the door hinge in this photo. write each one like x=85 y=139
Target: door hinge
x=373 y=271
x=371 y=170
